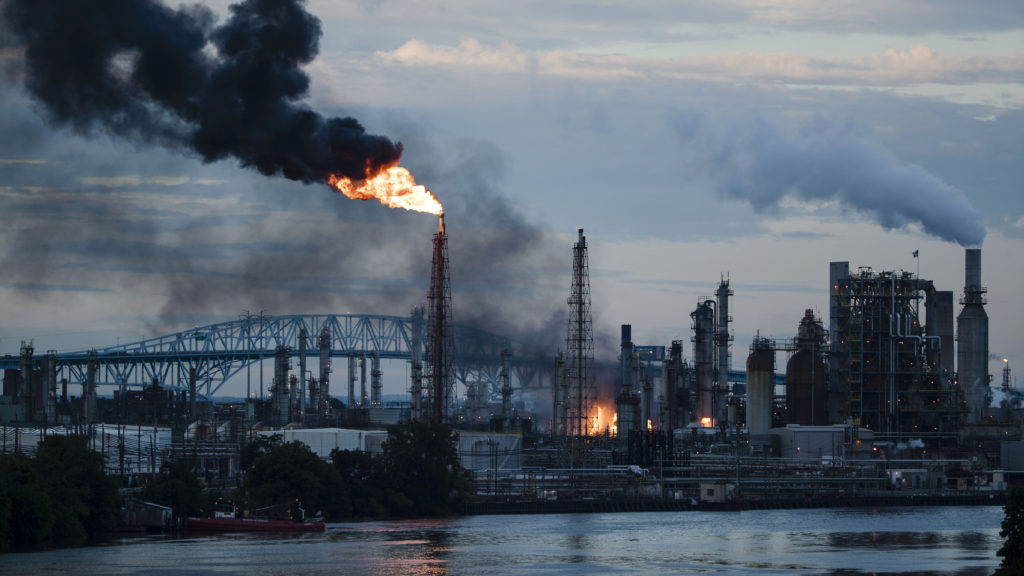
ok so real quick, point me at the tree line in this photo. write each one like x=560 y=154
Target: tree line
x=417 y=474
x=59 y=497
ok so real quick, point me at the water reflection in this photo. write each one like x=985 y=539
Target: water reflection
x=846 y=540
x=804 y=542
x=401 y=548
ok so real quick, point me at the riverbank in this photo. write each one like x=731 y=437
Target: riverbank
x=658 y=505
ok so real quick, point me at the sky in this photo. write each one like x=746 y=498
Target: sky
x=757 y=140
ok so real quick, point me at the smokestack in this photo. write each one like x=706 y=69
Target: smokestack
x=626 y=358
x=972 y=337
x=972 y=269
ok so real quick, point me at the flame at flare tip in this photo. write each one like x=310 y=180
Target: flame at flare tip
x=394 y=187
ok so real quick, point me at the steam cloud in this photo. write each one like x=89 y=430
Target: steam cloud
x=762 y=165
x=143 y=71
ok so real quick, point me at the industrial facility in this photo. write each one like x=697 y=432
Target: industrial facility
x=891 y=394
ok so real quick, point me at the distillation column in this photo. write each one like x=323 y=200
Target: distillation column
x=376 y=383
x=723 y=339
x=324 y=393
x=703 y=359
x=300 y=409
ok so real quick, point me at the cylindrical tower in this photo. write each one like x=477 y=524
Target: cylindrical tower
x=303 y=342
x=363 y=398
x=760 y=386
x=806 y=393
x=279 y=396
x=626 y=358
x=722 y=339
x=627 y=406
x=324 y=343
x=972 y=340
x=352 y=379
x=703 y=358
x=25 y=391
x=376 y=380
x=314 y=396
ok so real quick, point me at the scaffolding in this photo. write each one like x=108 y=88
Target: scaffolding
x=440 y=360
x=885 y=361
x=580 y=344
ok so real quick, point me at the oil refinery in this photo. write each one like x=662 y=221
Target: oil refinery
x=891 y=395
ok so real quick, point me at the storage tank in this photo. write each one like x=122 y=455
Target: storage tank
x=760 y=386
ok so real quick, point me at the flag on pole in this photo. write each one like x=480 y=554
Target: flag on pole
x=915 y=253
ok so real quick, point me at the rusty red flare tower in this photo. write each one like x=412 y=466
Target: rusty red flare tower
x=440 y=360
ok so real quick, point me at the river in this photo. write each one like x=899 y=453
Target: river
x=912 y=540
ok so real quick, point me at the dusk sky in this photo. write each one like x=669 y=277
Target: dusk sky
x=759 y=139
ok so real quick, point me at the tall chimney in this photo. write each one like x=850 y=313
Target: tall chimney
x=972 y=340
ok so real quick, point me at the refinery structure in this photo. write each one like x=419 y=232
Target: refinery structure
x=893 y=393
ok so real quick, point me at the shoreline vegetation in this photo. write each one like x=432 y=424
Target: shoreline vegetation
x=60 y=497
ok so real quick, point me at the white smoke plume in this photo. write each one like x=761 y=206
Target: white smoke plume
x=760 y=163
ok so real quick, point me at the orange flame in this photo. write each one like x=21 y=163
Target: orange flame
x=394 y=187
x=705 y=422
x=599 y=423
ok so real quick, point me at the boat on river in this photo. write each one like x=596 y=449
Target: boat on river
x=229 y=524
x=277 y=518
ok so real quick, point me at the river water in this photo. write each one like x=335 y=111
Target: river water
x=917 y=540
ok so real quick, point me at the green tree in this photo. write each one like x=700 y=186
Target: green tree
x=422 y=465
x=1012 y=551
x=364 y=487
x=259 y=446
x=85 y=500
x=26 y=512
x=289 y=472
x=178 y=486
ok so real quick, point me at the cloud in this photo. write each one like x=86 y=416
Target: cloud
x=133 y=180
x=918 y=64
x=470 y=53
x=53 y=287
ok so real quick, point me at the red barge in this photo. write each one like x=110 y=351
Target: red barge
x=228 y=524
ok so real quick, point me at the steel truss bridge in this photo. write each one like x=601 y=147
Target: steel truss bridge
x=219 y=352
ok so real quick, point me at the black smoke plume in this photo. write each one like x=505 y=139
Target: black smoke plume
x=144 y=71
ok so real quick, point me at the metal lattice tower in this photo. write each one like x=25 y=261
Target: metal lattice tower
x=580 y=344
x=440 y=360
